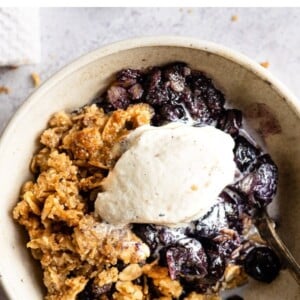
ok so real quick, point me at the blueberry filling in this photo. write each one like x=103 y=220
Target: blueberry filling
x=93 y=292
x=197 y=254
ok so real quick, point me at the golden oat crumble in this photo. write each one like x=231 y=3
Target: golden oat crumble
x=74 y=247
x=234 y=276
x=195 y=296
x=265 y=64
x=36 y=79
x=234 y=18
x=4 y=90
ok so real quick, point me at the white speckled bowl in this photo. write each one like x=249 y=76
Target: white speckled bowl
x=269 y=108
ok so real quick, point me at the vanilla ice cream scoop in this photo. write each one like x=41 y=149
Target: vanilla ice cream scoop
x=167 y=175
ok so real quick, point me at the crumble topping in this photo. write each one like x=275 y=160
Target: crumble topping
x=72 y=245
x=36 y=79
x=4 y=90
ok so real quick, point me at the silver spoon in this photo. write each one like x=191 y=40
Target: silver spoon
x=266 y=228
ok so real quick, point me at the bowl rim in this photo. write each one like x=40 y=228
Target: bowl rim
x=143 y=42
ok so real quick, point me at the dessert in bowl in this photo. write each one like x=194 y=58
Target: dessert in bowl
x=113 y=209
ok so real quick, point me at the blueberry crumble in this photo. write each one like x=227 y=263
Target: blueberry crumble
x=183 y=233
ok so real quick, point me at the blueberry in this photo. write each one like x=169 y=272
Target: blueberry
x=230 y=121
x=216 y=266
x=226 y=247
x=198 y=109
x=136 y=91
x=187 y=258
x=215 y=101
x=203 y=87
x=118 y=97
x=171 y=113
x=210 y=225
x=261 y=184
x=266 y=179
x=102 y=102
x=179 y=68
x=156 y=92
x=262 y=264
x=92 y=292
x=175 y=75
x=215 y=260
x=128 y=77
x=245 y=154
x=168 y=236
x=236 y=206
x=148 y=234
x=198 y=82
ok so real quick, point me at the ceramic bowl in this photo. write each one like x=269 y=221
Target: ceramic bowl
x=269 y=108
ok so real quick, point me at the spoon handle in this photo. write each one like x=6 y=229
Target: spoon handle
x=266 y=227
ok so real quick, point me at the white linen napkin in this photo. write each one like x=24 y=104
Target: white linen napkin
x=19 y=36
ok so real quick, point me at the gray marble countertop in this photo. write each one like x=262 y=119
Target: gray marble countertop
x=264 y=34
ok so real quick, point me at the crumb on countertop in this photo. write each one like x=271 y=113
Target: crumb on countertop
x=234 y=18
x=4 y=90
x=35 y=79
x=265 y=64
x=12 y=67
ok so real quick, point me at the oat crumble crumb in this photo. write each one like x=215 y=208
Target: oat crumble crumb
x=36 y=79
x=234 y=18
x=4 y=90
x=265 y=64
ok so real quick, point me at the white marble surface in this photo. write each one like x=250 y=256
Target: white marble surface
x=262 y=34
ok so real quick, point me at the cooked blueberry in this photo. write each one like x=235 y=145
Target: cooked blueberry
x=128 y=77
x=214 y=100
x=175 y=75
x=156 y=91
x=199 y=82
x=216 y=266
x=157 y=97
x=154 y=78
x=215 y=260
x=210 y=225
x=187 y=258
x=261 y=184
x=168 y=235
x=266 y=179
x=118 y=97
x=136 y=91
x=236 y=206
x=262 y=264
x=148 y=234
x=171 y=112
x=198 y=109
x=245 y=154
x=231 y=194
x=93 y=292
x=102 y=102
x=230 y=121
x=226 y=247
x=180 y=68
